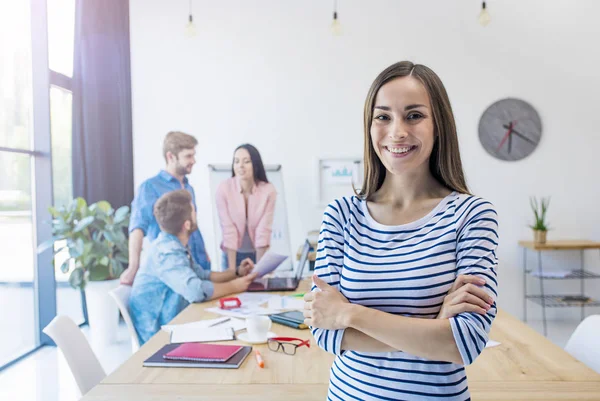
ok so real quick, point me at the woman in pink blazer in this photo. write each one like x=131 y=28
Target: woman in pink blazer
x=245 y=203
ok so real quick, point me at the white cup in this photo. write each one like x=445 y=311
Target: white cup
x=258 y=327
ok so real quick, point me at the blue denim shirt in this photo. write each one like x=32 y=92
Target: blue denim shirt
x=165 y=284
x=142 y=212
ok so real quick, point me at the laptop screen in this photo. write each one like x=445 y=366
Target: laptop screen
x=303 y=258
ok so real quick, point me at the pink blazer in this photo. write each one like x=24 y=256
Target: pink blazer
x=232 y=213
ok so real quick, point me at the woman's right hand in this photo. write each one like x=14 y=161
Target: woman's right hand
x=466 y=295
x=241 y=284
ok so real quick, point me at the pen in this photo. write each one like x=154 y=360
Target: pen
x=259 y=360
x=299 y=295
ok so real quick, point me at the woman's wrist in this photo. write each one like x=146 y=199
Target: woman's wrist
x=349 y=314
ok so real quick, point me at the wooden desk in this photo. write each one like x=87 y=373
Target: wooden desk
x=526 y=366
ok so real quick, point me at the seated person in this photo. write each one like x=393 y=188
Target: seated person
x=246 y=204
x=169 y=279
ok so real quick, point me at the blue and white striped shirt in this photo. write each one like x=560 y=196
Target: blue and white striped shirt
x=406 y=270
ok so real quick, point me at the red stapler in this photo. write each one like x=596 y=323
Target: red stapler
x=230 y=303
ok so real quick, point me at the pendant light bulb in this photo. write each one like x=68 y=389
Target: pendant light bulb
x=484 y=15
x=190 y=28
x=336 y=27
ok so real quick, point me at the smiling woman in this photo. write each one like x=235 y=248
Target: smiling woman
x=405 y=281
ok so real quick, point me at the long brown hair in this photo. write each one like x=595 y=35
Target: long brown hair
x=444 y=163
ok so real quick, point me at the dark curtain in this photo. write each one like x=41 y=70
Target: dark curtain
x=102 y=133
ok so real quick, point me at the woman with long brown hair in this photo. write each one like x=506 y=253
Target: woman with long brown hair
x=389 y=298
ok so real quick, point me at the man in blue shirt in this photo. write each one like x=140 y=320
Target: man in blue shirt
x=169 y=279
x=179 y=150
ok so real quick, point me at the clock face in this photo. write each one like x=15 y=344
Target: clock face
x=510 y=129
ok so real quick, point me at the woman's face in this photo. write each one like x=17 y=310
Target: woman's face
x=242 y=165
x=402 y=127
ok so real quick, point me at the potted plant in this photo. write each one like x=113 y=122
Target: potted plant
x=540 y=225
x=96 y=254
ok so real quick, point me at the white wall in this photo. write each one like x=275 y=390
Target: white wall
x=270 y=73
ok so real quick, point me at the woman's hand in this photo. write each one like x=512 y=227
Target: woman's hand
x=466 y=295
x=325 y=309
x=245 y=267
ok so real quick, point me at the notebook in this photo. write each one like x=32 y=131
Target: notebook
x=203 y=352
x=157 y=360
x=191 y=334
x=293 y=319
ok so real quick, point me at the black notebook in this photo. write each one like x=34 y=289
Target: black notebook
x=158 y=360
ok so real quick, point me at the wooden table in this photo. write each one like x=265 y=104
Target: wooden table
x=526 y=366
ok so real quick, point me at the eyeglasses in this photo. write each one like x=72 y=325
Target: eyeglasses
x=286 y=345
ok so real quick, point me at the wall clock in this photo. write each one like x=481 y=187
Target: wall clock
x=510 y=129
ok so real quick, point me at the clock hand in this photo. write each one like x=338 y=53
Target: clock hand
x=510 y=142
x=510 y=129
x=517 y=133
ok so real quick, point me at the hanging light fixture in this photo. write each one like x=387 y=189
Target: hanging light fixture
x=336 y=27
x=484 y=16
x=190 y=28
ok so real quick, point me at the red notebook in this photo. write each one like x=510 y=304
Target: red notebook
x=203 y=352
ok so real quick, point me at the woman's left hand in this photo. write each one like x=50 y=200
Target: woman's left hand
x=245 y=267
x=325 y=309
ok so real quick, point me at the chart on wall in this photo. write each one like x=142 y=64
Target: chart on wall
x=280 y=239
x=338 y=177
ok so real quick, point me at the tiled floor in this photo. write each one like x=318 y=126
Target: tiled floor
x=45 y=375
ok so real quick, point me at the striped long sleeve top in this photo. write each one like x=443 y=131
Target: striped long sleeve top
x=406 y=270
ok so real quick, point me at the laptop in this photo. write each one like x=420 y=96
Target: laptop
x=282 y=283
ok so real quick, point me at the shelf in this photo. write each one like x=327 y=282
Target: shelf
x=575 y=274
x=552 y=301
x=564 y=245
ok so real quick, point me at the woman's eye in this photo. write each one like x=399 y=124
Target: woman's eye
x=414 y=116
x=382 y=117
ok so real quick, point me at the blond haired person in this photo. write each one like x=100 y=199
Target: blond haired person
x=169 y=278
x=179 y=151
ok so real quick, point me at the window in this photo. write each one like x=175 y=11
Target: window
x=27 y=92
x=61 y=34
x=68 y=300
x=16 y=226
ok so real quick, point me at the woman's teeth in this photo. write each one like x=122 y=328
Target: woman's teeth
x=399 y=150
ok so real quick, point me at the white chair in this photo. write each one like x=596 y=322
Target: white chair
x=584 y=343
x=77 y=351
x=121 y=296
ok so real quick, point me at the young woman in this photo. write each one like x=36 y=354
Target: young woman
x=246 y=203
x=385 y=298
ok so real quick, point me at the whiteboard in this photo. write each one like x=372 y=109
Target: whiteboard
x=280 y=237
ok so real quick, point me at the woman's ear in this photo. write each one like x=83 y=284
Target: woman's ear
x=187 y=226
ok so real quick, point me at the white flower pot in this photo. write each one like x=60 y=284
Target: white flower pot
x=103 y=313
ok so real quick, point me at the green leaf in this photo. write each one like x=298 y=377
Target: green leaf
x=76 y=278
x=83 y=223
x=104 y=261
x=65 y=266
x=116 y=267
x=121 y=214
x=99 y=273
x=103 y=206
x=44 y=246
x=53 y=211
x=77 y=248
x=81 y=206
x=122 y=258
x=109 y=235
